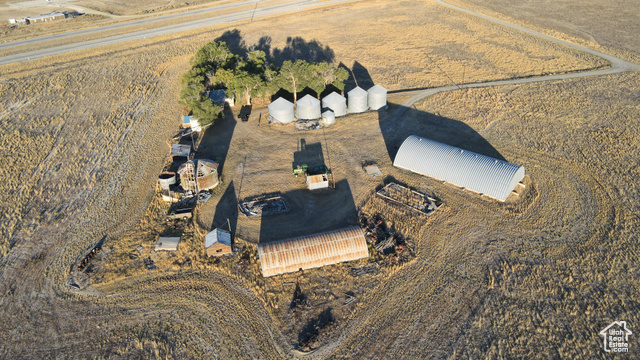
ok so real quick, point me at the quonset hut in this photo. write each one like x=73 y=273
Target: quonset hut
x=482 y=174
x=308 y=108
x=357 y=100
x=377 y=97
x=336 y=103
x=312 y=251
x=281 y=111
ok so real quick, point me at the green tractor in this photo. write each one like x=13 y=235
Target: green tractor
x=300 y=170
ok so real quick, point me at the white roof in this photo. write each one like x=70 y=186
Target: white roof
x=308 y=100
x=167 y=243
x=280 y=104
x=358 y=91
x=217 y=236
x=334 y=98
x=482 y=174
x=377 y=89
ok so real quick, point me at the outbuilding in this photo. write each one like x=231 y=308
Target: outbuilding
x=479 y=173
x=377 y=97
x=167 y=243
x=336 y=103
x=308 y=108
x=281 y=111
x=357 y=100
x=312 y=251
x=328 y=117
x=319 y=181
x=218 y=242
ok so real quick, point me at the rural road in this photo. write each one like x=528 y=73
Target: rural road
x=294 y=6
x=617 y=65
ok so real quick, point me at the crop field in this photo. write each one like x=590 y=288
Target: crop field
x=84 y=136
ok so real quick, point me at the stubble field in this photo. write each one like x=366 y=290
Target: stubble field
x=537 y=277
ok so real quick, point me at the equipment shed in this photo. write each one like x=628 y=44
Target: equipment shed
x=312 y=251
x=479 y=173
x=218 y=242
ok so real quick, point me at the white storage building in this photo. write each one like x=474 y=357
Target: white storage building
x=357 y=100
x=308 y=108
x=281 y=111
x=336 y=103
x=328 y=117
x=479 y=173
x=377 y=97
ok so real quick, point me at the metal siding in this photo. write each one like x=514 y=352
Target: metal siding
x=479 y=173
x=312 y=251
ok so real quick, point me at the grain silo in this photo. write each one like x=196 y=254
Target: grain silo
x=479 y=173
x=308 y=108
x=328 y=117
x=281 y=111
x=357 y=100
x=336 y=103
x=377 y=97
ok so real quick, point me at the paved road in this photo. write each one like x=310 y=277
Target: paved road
x=294 y=6
x=617 y=65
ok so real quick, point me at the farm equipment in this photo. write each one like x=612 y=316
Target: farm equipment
x=300 y=170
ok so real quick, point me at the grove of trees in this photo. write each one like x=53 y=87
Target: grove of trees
x=246 y=77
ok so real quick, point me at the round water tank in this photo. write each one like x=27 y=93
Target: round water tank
x=357 y=100
x=166 y=179
x=336 y=103
x=377 y=97
x=281 y=111
x=308 y=108
x=328 y=117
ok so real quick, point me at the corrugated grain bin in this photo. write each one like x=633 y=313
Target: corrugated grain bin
x=281 y=111
x=377 y=97
x=357 y=100
x=336 y=103
x=328 y=117
x=308 y=108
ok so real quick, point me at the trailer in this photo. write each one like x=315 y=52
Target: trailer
x=398 y=194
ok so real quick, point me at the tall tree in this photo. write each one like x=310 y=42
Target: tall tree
x=295 y=76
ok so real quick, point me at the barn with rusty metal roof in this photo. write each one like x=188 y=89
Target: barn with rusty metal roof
x=479 y=173
x=312 y=251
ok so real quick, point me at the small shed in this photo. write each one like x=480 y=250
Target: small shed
x=358 y=100
x=281 y=111
x=317 y=181
x=180 y=150
x=167 y=243
x=308 y=108
x=218 y=242
x=186 y=121
x=377 y=97
x=336 y=103
x=328 y=117
x=219 y=97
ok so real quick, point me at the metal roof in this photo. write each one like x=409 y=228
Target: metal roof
x=167 y=243
x=281 y=110
x=312 y=251
x=217 y=236
x=180 y=150
x=482 y=174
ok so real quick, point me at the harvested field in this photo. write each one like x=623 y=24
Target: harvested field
x=85 y=136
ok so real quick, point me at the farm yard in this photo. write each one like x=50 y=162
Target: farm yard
x=85 y=136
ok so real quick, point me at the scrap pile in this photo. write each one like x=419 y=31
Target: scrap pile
x=263 y=205
x=87 y=259
x=406 y=197
x=384 y=238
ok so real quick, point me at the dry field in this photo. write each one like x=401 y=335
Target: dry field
x=84 y=137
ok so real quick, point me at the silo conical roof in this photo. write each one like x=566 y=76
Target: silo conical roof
x=357 y=100
x=328 y=117
x=377 y=97
x=281 y=111
x=308 y=108
x=336 y=102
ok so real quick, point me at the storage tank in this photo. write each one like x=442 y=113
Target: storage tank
x=357 y=100
x=166 y=179
x=377 y=97
x=328 y=117
x=308 y=108
x=281 y=111
x=336 y=103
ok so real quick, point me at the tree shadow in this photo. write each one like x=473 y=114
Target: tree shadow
x=227 y=210
x=217 y=138
x=313 y=329
x=297 y=48
x=311 y=211
x=234 y=42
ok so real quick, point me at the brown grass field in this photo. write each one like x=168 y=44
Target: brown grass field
x=85 y=135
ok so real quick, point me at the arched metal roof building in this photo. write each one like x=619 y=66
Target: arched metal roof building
x=482 y=174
